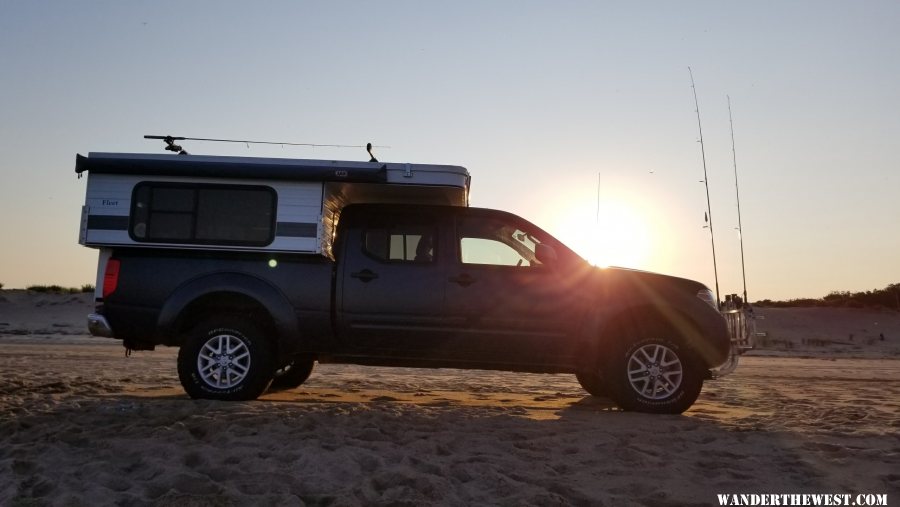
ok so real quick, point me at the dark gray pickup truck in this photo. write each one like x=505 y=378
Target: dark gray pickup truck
x=414 y=285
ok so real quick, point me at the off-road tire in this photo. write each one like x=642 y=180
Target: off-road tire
x=650 y=370
x=225 y=358
x=592 y=382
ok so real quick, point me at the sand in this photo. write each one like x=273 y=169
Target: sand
x=81 y=424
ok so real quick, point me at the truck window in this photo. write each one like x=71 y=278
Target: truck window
x=203 y=214
x=400 y=243
x=495 y=242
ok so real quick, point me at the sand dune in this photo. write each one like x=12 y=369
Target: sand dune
x=80 y=424
x=832 y=332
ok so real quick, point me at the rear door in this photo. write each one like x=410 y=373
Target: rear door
x=392 y=285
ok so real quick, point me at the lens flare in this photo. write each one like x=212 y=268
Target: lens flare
x=620 y=236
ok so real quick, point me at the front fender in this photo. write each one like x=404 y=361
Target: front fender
x=635 y=299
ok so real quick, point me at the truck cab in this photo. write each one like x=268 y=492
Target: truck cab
x=457 y=284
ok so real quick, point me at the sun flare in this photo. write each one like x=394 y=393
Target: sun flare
x=619 y=235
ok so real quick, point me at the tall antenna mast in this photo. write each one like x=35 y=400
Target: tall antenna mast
x=712 y=236
x=737 y=194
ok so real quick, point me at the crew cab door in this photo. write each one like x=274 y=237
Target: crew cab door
x=501 y=299
x=391 y=291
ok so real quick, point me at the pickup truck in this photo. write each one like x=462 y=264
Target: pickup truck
x=414 y=285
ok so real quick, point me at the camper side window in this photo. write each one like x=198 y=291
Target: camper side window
x=203 y=214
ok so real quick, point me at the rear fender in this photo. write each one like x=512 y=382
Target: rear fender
x=174 y=312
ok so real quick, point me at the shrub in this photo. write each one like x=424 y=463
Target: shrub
x=58 y=289
x=889 y=297
x=88 y=287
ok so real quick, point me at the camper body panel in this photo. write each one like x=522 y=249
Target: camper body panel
x=109 y=207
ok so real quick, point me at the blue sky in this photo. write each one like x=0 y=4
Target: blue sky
x=538 y=100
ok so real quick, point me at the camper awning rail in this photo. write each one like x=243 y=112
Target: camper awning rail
x=232 y=167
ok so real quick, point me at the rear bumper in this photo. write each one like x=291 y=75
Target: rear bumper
x=99 y=326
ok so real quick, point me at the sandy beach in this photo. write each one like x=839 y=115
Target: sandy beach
x=81 y=424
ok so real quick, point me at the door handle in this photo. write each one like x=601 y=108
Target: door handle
x=463 y=280
x=365 y=275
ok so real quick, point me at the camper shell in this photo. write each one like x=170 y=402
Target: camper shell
x=244 y=203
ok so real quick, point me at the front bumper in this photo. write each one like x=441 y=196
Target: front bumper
x=99 y=326
x=742 y=330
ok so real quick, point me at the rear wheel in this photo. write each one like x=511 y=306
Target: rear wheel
x=292 y=374
x=225 y=358
x=652 y=372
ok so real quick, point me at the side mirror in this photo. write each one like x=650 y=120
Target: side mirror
x=545 y=254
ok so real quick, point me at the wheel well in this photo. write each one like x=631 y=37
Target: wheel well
x=603 y=343
x=230 y=303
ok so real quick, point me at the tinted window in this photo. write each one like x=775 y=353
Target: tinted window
x=203 y=214
x=399 y=242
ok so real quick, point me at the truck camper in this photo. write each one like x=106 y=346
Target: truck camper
x=257 y=268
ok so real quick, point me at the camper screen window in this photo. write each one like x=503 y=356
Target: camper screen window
x=203 y=214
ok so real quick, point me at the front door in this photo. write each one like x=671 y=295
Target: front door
x=502 y=301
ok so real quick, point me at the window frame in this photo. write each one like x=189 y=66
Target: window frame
x=196 y=188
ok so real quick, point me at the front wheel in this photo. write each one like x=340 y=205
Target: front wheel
x=225 y=358
x=655 y=374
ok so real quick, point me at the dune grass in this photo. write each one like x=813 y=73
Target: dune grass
x=58 y=289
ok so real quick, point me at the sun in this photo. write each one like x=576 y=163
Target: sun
x=619 y=235
x=623 y=236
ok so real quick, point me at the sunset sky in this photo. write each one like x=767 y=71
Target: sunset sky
x=541 y=101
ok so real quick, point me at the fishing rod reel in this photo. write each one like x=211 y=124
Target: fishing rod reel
x=170 y=143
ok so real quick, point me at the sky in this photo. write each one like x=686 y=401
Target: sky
x=557 y=109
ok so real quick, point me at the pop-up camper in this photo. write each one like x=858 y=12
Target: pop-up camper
x=243 y=203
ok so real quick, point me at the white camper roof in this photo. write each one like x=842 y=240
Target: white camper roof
x=260 y=168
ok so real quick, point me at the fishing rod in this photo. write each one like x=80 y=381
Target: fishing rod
x=171 y=146
x=737 y=193
x=712 y=236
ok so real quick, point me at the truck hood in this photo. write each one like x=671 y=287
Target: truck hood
x=636 y=277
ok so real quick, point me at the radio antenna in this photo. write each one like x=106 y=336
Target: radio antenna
x=737 y=194
x=712 y=236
